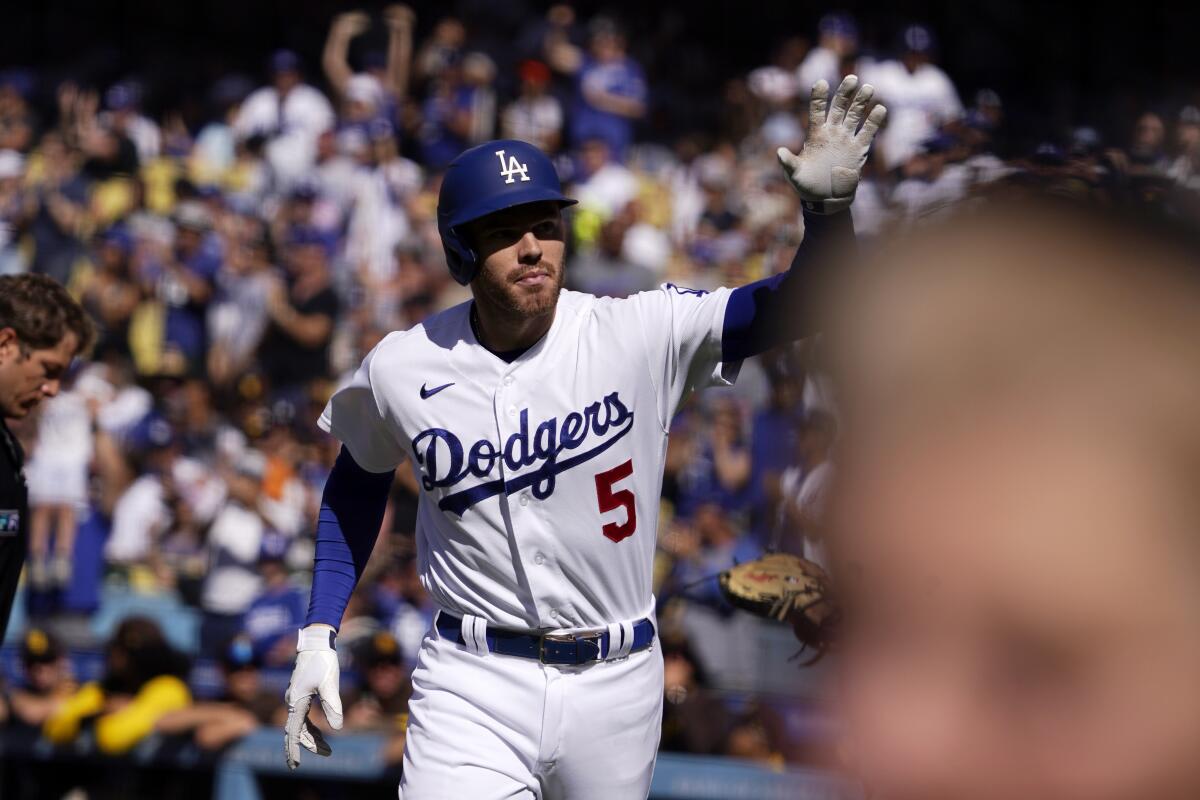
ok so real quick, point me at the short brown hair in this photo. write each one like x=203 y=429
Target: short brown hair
x=41 y=312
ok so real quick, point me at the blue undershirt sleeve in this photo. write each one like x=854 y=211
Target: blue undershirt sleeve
x=771 y=312
x=352 y=509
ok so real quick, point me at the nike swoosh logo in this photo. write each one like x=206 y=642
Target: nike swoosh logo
x=428 y=393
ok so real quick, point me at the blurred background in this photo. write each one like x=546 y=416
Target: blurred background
x=243 y=195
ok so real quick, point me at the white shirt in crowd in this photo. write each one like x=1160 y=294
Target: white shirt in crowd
x=608 y=190
x=292 y=129
x=810 y=493
x=140 y=516
x=532 y=119
x=234 y=540
x=820 y=63
x=917 y=102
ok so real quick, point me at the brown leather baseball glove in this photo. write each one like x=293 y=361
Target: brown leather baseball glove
x=787 y=588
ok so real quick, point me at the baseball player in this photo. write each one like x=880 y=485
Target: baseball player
x=536 y=422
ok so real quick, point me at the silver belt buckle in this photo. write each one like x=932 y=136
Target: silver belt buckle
x=590 y=638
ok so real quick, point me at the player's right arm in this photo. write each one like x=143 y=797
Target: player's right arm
x=352 y=509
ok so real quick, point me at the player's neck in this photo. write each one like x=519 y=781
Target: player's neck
x=502 y=331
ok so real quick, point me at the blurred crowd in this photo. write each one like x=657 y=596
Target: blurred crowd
x=240 y=265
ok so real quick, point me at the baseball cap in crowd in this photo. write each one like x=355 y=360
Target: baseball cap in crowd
x=1189 y=115
x=121 y=96
x=379 y=650
x=305 y=235
x=918 y=39
x=12 y=164
x=274 y=547
x=604 y=26
x=1048 y=154
x=284 y=61
x=117 y=236
x=838 y=23
x=1085 y=141
x=193 y=215
x=239 y=654
x=151 y=432
x=251 y=464
x=381 y=128
x=19 y=80
x=303 y=191
x=39 y=647
x=533 y=71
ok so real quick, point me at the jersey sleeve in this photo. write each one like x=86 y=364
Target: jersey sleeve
x=682 y=330
x=357 y=416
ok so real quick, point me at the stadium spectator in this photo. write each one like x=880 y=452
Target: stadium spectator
x=234 y=541
x=837 y=42
x=123 y=115
x=805 y=489
x=1185 y=169
x=535 y=115
x=694 y=718
x=289 y=114
x=14 y=211
x=918 y=94
x=143 y=681
x=242 y=708
x=381 y=703
x=610 y=87
x=275 y=615
x=57 y=475
x=295 y=347
x=47 y=683
x=18 y=120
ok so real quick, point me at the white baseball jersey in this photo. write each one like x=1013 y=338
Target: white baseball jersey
x=540 y=477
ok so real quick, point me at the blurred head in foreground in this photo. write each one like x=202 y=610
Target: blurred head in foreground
x=1016 y=529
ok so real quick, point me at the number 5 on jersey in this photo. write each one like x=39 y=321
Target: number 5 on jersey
x=611 y=501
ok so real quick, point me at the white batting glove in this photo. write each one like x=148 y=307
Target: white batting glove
x=316 y=673
x=827 y=169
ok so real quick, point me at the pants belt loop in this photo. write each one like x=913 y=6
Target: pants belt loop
x=620 y=640
x=474 y=634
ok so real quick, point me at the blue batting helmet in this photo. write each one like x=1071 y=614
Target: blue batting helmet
x=486 y=179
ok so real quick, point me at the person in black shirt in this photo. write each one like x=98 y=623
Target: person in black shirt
x=42 y=329
x=295 y=347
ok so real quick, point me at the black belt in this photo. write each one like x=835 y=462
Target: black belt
x=561 y=649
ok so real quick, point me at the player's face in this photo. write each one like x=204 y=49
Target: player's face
x=29 y=376
x=1021 y=603
x=522 y=259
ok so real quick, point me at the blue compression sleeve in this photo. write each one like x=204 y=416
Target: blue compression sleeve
x=351 y=513
x=771 y=312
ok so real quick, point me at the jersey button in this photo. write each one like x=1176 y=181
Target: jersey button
x=539 y=559
x=512 y=411
x=508 y=379
x=554 y=613
x=524 y=499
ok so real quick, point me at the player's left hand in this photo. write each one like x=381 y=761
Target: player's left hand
x=826 y=171
x=316 y=673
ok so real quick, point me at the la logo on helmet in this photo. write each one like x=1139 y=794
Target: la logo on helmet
x=511 y=167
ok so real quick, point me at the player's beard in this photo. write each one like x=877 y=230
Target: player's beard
x=510 y=297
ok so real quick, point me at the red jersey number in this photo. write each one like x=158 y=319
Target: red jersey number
x=611 y=501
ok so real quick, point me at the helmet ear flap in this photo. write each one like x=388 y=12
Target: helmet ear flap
x=460 y=258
